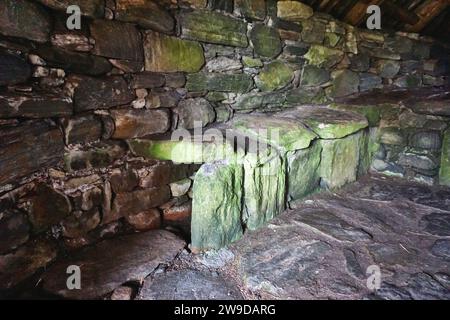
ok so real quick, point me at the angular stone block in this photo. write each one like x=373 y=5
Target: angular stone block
x=303 y=175
x=213 y=27
x=75 y=62
x=340 y=161
x=91 y=8
x=34 y=105
x=326 y=122
x=27 y=148
x=135 y=123
x=147 y=14
x=24 y=19
x=216 y=206
x=127 y=43
x=264 y=190
x=101 y=93
x=169 y=54
x=275 y=75
x=266 y=41
x=282 y=133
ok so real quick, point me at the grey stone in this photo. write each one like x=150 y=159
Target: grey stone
x=266 y=41
x=189 y=285
x=135 y=257
x=191 y=111
x=436 y=223
x=441 y=248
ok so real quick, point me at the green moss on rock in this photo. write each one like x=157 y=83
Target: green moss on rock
x=283 y=134
x=169 y=54
x=340 y=161
x=264 y=191
x=216 y=206
x=303 y=171
x=444 y=173
x=275 y=75
x=323 y=57
x=214 y=27
x=266 y=41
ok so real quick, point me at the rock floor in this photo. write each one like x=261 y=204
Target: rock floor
x=321 y=248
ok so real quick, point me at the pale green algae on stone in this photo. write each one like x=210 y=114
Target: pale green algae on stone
x=217 y=205
x=164 y=53
x=303 y=171
x=275 y=75
x=185 y=151
x=327 y=123
x=323 y=57
x=340 y=160
x=444 y=173
x=371 y=112
x=264 y=189
x=214 y=27
x=283 y=134
x=369 y=145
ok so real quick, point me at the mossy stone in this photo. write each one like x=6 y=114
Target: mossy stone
x=266 y=41
x=275 y=75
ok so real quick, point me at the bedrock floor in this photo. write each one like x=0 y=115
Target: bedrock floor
x=321 y=249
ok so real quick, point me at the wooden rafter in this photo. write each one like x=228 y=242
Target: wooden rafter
x=357 y=13
x=426 y=12
x=404 y=15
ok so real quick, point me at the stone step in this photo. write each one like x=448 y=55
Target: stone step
x=113 y=262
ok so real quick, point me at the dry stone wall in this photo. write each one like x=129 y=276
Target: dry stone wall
x=70 y=99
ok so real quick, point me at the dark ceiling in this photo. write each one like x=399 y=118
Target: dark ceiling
x=427 y=17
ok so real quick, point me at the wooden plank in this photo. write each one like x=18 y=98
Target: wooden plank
x=359 y=11
x=400 y=13
x=426 y=12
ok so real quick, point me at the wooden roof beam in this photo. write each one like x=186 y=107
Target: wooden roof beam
x=359 y=11
x=426 y=12
x=404 y=15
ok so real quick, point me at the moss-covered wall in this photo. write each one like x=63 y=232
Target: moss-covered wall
x=69 y=100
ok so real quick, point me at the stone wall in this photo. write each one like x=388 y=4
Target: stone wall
x=70 y=100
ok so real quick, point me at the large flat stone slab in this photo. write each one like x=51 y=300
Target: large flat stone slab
x=326 y=122
x=284 y=134
x=189 y=285
x=110 y=263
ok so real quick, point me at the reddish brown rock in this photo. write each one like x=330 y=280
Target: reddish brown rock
x=163 y=98
x=145 y=220
x=47 y=207
x=148 y=80
x=163 y=173
x=178 y=213
x=123 y=293
x=147 y=14
x=82 y=129
x=14 y=230
x=71 y=41
x=93 y=93
x=80 y=223
x=42 y=148
x=23 y=263
x=34 y=105
x=127 y=43
x=91 y=8
x=24 y=19
x=134 y=123
x=123 y=180
x=128 y=203
x=99 y=155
